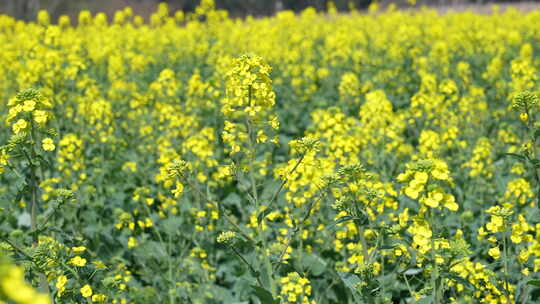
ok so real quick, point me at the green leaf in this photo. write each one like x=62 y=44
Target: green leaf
x=263 y=214
x=425 y=300
x=233 y=199
x=535 y=163
x=264 y=295
x=351 y=281
x=171 y=226
x=534 y=283
x=20 y=193
x=316 y=263
x=340 y=220
x=517 y=156
x=537 y=133
x=388 y=246
x=44 y=163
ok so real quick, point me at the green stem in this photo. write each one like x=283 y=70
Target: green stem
x=380 y=241
x=295 y=231
x=167 y=252
x=255 y=195
x=530 y=132
x=156 y=231
x=361 y=234
x=409 y=288
x=285 y=179
x=18 y=249
x=435 y=270
x=505 y=265
x=172 y=297
x=219 y=207
x=253 y=272
x=34 y=185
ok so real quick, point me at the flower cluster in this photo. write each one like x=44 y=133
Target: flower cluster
x=295 y=289
x=425 y=182
x=248 y=103
x=29 y=112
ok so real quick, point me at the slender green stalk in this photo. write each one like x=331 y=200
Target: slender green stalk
x=505 y=265
x=435 y=270
x=241 y=257
x=380 y=239
x=409 y=288
x=156 y=231
x=251 y=158
x=253 y=154
x=530 y=132
x=167 y=246
x=34 y=186
x=172 y=297
x=284 y=181
x=215 y=204
x=295 y=231
x=18 y=249
x=361 y=235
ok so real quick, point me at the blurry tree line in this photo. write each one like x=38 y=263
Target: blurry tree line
x=27 y=9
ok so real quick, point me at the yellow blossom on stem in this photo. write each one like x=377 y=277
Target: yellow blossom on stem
x=40 y=116
x=495 y=252
x=61 y=284
x=77 y=261
x=29 y=105
x=132 y=242
x=19 y=126
x=86 y=291
x=48 y=144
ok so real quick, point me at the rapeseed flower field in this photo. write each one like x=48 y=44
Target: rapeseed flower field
x=382 y=156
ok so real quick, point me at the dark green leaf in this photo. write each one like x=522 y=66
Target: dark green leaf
x=44 y=163
x=351 y=281
x=537 y=133
x=388 y=246
x=264 y=295
x=534 y=283
x=20 y=193
x=263 y=214
x=517 y=156
x=535 y=163
x=340 y=220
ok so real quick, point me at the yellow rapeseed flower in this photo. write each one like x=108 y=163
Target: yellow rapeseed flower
x=29 y=105
x=77 y=261
x=61 y=284
x=78 y=249
x=19 y=126
x=132 y=242
x=86 y=291
x=48 y=144
x=40 y=116
x=495 y=252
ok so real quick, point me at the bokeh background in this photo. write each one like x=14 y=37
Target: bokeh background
x=27 y=9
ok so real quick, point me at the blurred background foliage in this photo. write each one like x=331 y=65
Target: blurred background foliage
x=27 y=9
